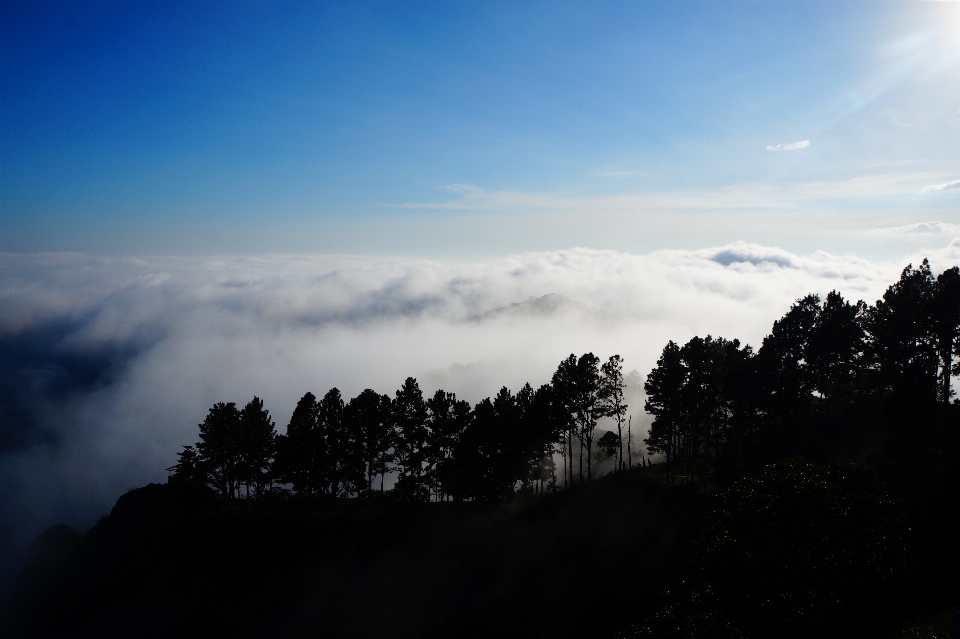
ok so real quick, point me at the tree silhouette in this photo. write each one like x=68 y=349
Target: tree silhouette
x=716 y=407
x=612 y=393
x=833 y=350
x=412 y=433
x=257 y=443
x=336 y=439
x=542 y=428
x=188 y=466
x=564 y=383
x=946 y=325
x=608 y=445
x=699 y=395
x=368 y=416
x=579 y=390
x=299 y=461
x=663 y=388
x=219 y=449
x=902 y=344
x=447 y=417
x=489 y=457
x=785 y=370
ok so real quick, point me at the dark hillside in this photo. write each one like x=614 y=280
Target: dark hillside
x=172 y=560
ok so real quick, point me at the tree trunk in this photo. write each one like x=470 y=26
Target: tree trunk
x=620 y=443
x=589 y=459
x=946 y=357
x=580 y=461
x=565 y=486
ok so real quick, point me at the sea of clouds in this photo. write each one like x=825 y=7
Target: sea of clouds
x=110 y=364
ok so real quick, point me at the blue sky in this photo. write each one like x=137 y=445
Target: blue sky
x=478 y=128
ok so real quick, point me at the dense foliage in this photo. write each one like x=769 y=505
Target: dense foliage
x=439 y=447
x=827 y=366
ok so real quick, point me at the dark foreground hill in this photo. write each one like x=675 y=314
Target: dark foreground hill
x=801 y=550
x=172 y=561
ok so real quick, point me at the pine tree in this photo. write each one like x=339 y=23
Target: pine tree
x=299 y=452
x=946 y=325
x=219 y=449
x=257 y=441
x=902 y=343
x=447 y=417
x=411 y=432
x=833 y=350
x=612 y=396
x=368 y=417
x=336 y=444
x=663 y=388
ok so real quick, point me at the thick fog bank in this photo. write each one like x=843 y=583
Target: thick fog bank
x=109 y=364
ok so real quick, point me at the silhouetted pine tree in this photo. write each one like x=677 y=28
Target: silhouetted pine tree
x=219 y=449
x=542 y=429
x=257 y=441
x=578 y=388
x=902 y=343
x=299 y=461
x=368 y=416
x=447 y=417
x=336 y=444
x=946 y=325
x=412 y=433
x=188 y=466
x=663 y=388
x=833 y=350
x=611 y=379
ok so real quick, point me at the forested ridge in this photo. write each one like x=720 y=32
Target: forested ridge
x=439 y=448
x=808 y=488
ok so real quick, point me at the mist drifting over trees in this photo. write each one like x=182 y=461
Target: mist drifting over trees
x=805 y=486
x=437 y=448
x=720 y=409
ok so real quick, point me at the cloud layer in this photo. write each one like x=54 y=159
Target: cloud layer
x=923 y=228
x=110 y=363
x=746 y=195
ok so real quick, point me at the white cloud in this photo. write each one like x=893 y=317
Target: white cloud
x=929 y=228
x=744 y=195
x=802 y=144
x=171 y=336
x=946 y=186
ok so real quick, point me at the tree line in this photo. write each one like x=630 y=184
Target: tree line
x=829 y=370
x=439 y=448
x=826 y=366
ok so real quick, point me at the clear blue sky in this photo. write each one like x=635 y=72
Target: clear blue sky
x=476 y=128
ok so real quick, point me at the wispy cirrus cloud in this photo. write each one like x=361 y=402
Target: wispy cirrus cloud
x=946 y=186
x=746 y=195
x=925 y=228
x=792 y=146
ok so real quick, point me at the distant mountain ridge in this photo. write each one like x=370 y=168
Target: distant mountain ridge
x=540 y=307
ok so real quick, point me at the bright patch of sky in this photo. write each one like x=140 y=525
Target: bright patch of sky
x=477 y=129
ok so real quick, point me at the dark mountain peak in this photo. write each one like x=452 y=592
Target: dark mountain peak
x=540 y=307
